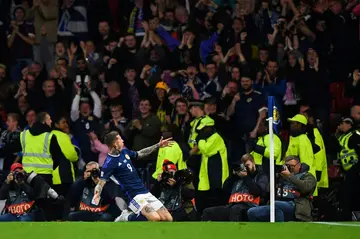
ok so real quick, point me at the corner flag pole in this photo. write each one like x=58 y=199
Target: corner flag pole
x=272 y=166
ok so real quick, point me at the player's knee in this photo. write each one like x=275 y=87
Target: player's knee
x=166 y=217
x=154 y=217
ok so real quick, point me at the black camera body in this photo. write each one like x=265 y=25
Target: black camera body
x=184 y=176
x=280 y=169
x=19 y=176
x=240 y=168
x=95 y=173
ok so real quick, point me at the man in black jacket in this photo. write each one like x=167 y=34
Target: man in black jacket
x=19 y=196
x=176 y=190
x=81 y=195
x=246 y=186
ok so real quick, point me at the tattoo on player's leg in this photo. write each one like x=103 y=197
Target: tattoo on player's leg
x=149 y=209
x=163 y=209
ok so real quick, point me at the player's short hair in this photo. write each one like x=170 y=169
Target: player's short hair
x=110 y=138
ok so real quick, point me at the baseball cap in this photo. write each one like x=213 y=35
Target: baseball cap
x=162 y=85
x=168 y=165
x=347 y=120
x=207 y=121
x=198 y=103
x=299 y=118
x=15 y=166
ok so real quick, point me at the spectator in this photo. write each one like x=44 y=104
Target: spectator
x=85 y=120
x=44 y=13
x=248 y=109
x=30 y=118
x=144 y=130
x=293 y=197
x=98 y=147
x=117 y=122
x=21 y=38
x=9 y=141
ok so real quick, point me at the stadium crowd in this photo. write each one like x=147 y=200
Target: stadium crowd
x=198 y=72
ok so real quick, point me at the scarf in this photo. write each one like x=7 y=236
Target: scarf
x=132 y=21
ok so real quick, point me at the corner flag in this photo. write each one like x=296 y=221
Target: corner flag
x=273 y=112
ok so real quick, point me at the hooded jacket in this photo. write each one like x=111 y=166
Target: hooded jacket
x=55 y=150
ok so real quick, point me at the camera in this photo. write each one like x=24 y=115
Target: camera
x=281 y=168
x=165 y=176
x=182 y=177
x=240 y=168
x=95 y=173
x=18 y=176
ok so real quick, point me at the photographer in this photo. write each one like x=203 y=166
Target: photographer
x=45 y=197
x=246 y=186
x=81 y=194
x=176 y=191
x=19 y=196
x=294 y=193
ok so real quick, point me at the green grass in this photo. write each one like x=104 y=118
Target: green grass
x=148 y=230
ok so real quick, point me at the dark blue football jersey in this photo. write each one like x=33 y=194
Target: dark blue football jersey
x=121 y=171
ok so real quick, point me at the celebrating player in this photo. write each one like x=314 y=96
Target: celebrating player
x=118 y=168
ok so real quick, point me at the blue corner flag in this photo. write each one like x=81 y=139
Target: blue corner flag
x=274 y=112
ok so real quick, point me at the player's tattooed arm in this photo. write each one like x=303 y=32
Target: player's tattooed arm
x=99 y=187
x=147 y=151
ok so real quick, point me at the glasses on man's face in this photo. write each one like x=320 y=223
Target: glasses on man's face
x=292 y=165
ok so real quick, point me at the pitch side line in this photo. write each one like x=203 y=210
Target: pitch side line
x=337 y=224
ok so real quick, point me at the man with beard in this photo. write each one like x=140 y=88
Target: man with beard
x=247 y=109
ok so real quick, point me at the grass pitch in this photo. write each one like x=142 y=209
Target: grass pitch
x=192 y=230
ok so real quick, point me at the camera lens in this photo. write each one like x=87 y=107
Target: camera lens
x=95 y=173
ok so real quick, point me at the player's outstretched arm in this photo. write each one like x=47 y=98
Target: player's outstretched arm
x=147 y=151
